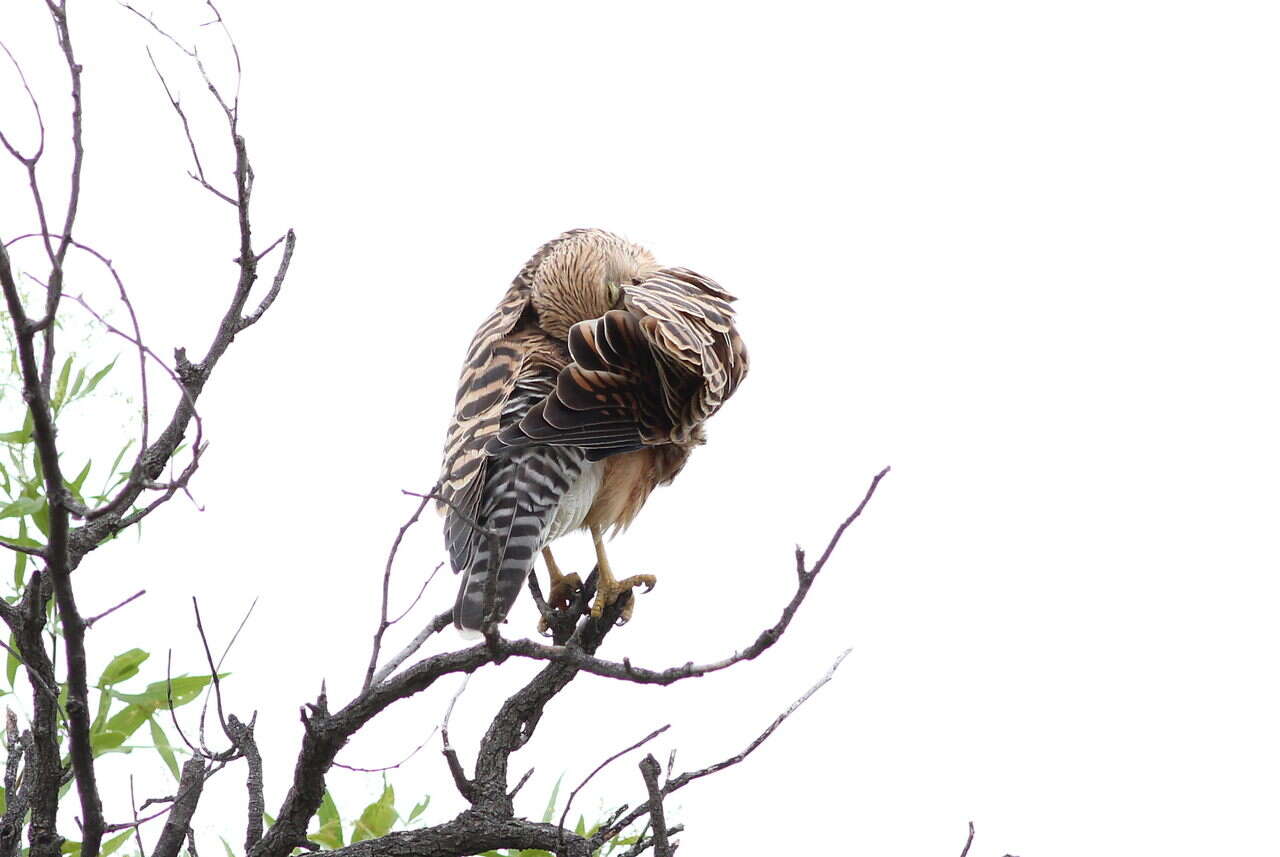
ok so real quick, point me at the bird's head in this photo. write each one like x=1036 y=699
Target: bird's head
x=582 y=278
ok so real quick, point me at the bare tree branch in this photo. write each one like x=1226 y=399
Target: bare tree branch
x=649 y=770
x=190 y=787
x=242 y=736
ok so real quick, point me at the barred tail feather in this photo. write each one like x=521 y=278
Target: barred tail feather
x=521 y=496
x=520 y=537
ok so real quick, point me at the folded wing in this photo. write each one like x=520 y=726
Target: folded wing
x=645 y=375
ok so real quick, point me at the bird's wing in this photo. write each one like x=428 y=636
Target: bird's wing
x=645 y=375
x=493 y=363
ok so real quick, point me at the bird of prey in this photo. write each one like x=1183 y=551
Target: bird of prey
x=584 y=390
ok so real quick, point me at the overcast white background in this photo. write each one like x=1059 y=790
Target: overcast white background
x=1025 y=253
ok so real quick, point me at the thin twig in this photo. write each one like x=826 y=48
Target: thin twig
x=213 y=671
x=412 y=753
x=137 y=825
x=465 y=787
x=435 y=626
x=573 y=794
x=88 y=623
x=383 y=623
x=34 y=103
x=672 y=785
x=968 y=842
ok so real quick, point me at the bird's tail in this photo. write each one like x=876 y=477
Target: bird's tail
x=521 y=533
x=524 y=490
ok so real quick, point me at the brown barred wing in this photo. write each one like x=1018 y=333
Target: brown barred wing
x=488 y=378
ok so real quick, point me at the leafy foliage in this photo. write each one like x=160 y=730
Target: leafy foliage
x=381 y=817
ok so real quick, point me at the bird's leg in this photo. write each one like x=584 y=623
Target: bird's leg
x=608 y=587
x=562 y=586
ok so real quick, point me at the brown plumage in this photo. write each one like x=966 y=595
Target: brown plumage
x=585 y=389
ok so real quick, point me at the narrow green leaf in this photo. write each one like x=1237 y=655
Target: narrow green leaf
x=164 y=748
x=377 y=818
x=111 y=845
x=157 y=694
x=227 y=847
x=60 y=390
x=123 y=666
x=20 y=561
x=75 y=386
x=98 y=376
x=581 y=827
x=77 y=485
x=21 y=507
x=70 y=848
x=40 y=518
x=4 y=474
x=113 y=474
x=19 y=436
x=551 y=804
x=11 y=668
x=420 y=808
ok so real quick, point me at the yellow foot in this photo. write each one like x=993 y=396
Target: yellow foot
x=609 y=590
x=561 y=589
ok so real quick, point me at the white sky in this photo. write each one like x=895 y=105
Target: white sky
x=1023 y=253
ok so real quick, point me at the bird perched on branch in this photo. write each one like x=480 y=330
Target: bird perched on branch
x=585 y=389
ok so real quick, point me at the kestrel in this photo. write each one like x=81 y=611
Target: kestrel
x=585 y=389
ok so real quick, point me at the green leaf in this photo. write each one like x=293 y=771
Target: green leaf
x=75 y=387
x=581 y=827
x=420 y=808
x=77 y=485
x=123 y=666
x=227 y=847
x=109 y=847
x=98 y=376
x=11 y=668
x=157 y=694
x=125 y=721
x=70 y=848
x=329 y=834
x=60 y=391
x=328 y=809
x=106 y=739
x=41 y=519
x=113 y=475
x=19 y=436
x=21 y=507
x=377 y=818
x=551 y=804
x=20 y=561
x=164 y=748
